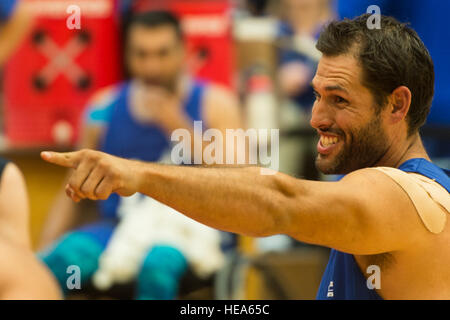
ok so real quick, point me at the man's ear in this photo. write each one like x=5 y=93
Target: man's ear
x=400 y=101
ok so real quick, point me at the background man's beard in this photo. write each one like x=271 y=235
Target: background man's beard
x=169 y=85
x=365 y=149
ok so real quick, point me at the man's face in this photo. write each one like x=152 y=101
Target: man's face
x=155 y=55
x=352 y=133
x=298 y=8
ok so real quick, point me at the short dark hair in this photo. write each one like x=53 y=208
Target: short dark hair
x=155 y=19
x=390 y=57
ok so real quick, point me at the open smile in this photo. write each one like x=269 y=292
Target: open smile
x=327 y=144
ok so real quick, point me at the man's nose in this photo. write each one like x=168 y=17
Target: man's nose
x=321 y=116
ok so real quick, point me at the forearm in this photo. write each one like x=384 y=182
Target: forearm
x=239 y=200
x=243 y=201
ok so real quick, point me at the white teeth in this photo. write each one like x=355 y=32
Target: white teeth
x=327 y=141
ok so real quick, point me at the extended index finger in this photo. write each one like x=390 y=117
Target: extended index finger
x=66 y=159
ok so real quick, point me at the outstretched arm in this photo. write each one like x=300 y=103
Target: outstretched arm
x=365 y=213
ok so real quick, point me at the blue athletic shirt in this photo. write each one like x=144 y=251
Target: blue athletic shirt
x=127 y=138
x=305 y=99
x=7 y=9
x=343 y=280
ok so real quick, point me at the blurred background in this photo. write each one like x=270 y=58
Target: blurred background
x=260 y=51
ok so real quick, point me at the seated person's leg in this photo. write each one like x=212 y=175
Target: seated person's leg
x=81 y=248
x=160 y=274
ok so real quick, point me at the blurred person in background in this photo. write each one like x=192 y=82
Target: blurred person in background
x=22 y=276
x=254 y=7
x=302 y=21
x=135 y=120
x=430 y=20
x=15 y=21
x=299 y=28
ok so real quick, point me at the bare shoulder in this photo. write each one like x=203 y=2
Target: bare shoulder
x=218 y=92
x=391 y=195
x=104 y=95
x=97 y=113
x=373 y=185
x=221 y=107
x=373 y=194
x=371 y=178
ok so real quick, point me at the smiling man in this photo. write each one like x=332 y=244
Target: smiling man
x=374 y=90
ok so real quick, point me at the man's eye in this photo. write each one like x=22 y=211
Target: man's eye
x=141 y=54
x=163 y=53
x=317 y=95
x=340 y=100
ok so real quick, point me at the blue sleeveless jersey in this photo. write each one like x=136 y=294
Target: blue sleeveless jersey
x=343 y=278
x=7 y=9
x=127 y=138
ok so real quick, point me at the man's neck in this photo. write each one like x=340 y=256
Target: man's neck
x=412 y=148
